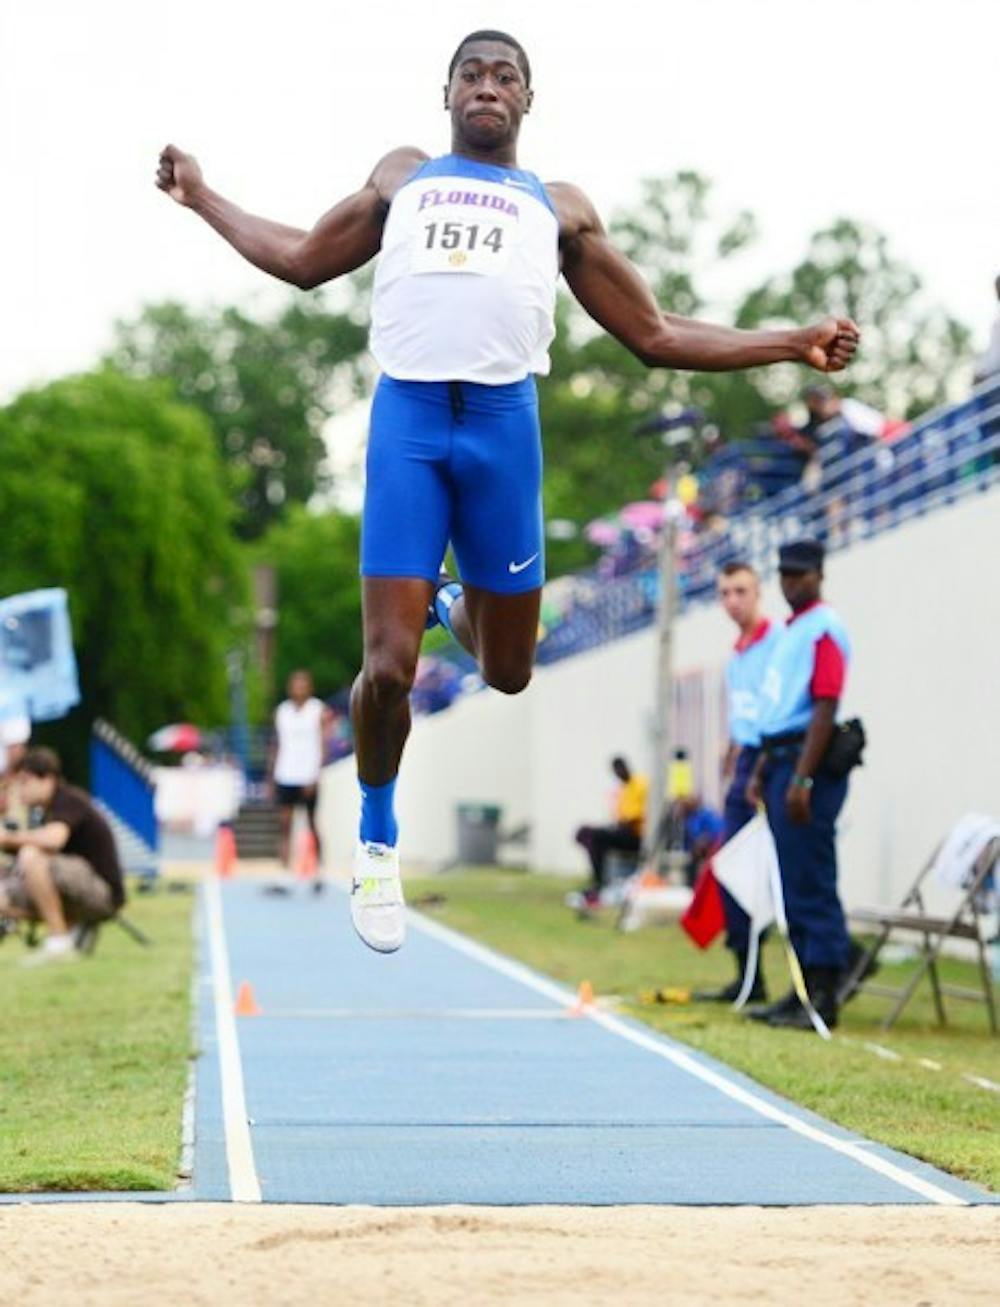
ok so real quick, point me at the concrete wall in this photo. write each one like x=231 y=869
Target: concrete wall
x=923 y=607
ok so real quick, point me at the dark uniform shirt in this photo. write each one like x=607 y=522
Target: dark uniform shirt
x=90 y=836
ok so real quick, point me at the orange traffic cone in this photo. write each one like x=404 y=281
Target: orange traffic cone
x=246 y=1003
x=307 y=861
x=225 y=852
x=584 y=999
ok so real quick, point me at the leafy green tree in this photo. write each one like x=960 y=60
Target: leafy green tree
x=266 y=385
x=115 y=491
x=315 y=557
x=913 y=353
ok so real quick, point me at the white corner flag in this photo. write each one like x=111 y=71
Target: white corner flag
x=748 y=867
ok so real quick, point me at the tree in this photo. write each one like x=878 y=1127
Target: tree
x=315 y=557
x=115 y=491
x=913 y=353
x=266 y=385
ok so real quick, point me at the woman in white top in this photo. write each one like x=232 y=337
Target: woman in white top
x=297 y=758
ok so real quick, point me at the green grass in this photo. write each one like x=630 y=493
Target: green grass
x=94 y=1058
x=933 y=1115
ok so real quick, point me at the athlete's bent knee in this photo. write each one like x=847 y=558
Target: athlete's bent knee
x=508 y=680
x=32 y=861
x=388 y=678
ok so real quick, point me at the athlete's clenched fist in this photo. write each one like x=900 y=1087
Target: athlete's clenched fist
x=829 y=346
x=179 y=175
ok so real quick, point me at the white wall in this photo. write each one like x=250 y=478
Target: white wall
x=922 y=604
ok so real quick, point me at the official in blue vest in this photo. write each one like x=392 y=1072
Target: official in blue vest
x=739 y=594
x=798 y=712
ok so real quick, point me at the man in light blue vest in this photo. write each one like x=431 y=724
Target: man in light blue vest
x=798 y=713
x=739 y=594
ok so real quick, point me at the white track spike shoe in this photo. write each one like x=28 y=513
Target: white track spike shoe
x=377 y=907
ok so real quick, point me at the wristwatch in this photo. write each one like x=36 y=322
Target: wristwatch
x=803 y=782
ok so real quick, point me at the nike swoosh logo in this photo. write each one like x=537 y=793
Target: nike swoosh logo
x=509 y=181
x=514 y=568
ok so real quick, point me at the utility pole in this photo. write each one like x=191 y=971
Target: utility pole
x=662 y=723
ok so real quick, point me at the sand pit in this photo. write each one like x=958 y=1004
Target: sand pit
x=116 y=1255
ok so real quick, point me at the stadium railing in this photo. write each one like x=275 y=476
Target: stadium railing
x=946 y=456
x=122 y=783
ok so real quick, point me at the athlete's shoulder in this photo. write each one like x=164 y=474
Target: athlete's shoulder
x=574 y=209
x=395 y=169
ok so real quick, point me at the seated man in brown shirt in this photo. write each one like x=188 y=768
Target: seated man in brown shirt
x=66 y=870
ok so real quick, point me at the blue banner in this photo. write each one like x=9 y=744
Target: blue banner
x=38 y=676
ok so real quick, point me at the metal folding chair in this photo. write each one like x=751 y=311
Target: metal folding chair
x=967 y=922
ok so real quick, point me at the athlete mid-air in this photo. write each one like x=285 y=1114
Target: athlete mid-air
x=470 y=249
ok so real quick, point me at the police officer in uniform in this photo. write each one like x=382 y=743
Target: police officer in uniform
x=798 y=714
x=739 y=594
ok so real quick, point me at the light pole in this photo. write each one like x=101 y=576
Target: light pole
x=676 y=427
x=662 y=730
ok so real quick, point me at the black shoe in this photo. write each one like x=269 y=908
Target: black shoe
x=731 y=992
x=848 y=983
x=727 y=994
x=821 y=983
x=788 y=1003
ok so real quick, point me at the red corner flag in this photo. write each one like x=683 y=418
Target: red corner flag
x=705 y=917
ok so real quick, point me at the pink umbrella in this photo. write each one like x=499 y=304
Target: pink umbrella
x=181 y=737
x=602 y=532
x=642 y=513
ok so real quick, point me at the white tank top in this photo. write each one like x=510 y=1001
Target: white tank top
x=300 y=745
x=465 y=285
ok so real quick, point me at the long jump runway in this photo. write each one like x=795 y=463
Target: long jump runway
x=448 y=1074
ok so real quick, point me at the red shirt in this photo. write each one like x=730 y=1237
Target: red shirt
x=830 y=668
x=746 y=642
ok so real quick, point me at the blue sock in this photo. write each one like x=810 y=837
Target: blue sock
x=378 y=821
x=443 y=601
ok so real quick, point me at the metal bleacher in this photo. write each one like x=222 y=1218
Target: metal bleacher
x=945 y=457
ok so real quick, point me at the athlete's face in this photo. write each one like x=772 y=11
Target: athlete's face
x=801 y=588
x=300 y=687
x=739 y=594
x=487 y=95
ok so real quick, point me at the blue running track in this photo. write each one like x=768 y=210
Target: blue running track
x=447 y=1074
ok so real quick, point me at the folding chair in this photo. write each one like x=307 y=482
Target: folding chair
x=86 y=933
x=967 y=922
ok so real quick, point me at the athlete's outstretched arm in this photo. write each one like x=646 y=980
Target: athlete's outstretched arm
x=343 y=239
x=610 y=288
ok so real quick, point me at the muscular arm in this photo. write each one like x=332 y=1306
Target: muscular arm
x=50 y=838
x=818 y=735
x=346 y=237
x=611 y=290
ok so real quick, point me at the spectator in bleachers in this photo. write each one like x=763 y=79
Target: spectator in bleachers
x=66 y=870
x=988 y=363
x=623 y=835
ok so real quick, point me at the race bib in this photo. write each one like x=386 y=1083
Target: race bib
x=471 y=231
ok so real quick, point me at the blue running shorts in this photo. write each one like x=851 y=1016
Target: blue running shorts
x=461 y=462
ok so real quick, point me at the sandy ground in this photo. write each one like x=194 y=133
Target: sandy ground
x=215 y=1255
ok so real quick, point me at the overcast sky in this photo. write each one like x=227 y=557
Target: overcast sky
x=881 y=109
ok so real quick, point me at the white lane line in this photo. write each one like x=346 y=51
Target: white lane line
x=982 y=1082
x=886 y=1054
x=419 y=1014
x=244 y=1186
x=929 y=1064
x=847 y=1148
